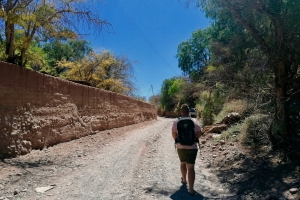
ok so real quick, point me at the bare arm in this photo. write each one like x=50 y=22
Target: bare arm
x=199 y=134
x=174 y=135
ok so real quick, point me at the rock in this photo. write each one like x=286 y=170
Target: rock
x=222 y=142
x=43 y=189
x=231 y=118
x=207 y=165
x=294 y=190
x=16 y=192
x=216 y=128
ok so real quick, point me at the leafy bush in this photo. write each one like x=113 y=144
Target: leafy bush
x=210 y=103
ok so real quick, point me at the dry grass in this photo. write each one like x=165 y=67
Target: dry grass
x=238 y=106
x=254 y=130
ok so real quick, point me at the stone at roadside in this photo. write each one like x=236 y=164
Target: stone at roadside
x=209 y=136
x=222 y=142
x=216 y=128
x=231 y=118
x=294 y=190
x=207 y=165
x=43 y=189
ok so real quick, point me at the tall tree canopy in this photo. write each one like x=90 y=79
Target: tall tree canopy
x=193 y=54
x=104 y=71
x=64 y=49
x=21 y=20
x=250 y=37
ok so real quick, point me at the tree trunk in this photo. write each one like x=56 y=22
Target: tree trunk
x=10 y=41
x=281 y=95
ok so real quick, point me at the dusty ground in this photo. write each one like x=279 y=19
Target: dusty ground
x=139 y=162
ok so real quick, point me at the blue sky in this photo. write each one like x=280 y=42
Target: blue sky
x=148 y=32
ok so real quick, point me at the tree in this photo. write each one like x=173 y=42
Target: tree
x=64 y=49
x=104 y=71
x=48 y=19
x=275 y=26
x=193 y=54
x=167 y=101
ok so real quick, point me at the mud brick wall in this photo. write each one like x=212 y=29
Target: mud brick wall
x=37 y=110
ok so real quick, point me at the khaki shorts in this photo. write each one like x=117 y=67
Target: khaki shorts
x=187 y=155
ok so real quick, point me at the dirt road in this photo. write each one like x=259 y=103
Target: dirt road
x=134 y=162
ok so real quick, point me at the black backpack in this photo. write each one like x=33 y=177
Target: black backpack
x=186 y=132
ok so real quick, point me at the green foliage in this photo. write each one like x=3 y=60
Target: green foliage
x=273 y=26
x=232 y=133
x=179 y=90
x=176 y=87
x=64 y=49
x=36 y=58
x=23 y=20
x=206 y=102
x=193 y=54
x=210 y=103
x=167 y=102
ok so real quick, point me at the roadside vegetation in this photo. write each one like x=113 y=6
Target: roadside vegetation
x=47 y=36
x=246 y=61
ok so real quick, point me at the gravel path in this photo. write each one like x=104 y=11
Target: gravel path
x=134 y=162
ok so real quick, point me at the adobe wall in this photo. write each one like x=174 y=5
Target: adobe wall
x=37 y=110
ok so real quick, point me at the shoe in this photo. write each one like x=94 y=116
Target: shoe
x=192 y=193
x=183 y=183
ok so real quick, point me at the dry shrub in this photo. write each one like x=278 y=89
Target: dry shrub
x=231 y=133
x=239 y=106
x=254 y=131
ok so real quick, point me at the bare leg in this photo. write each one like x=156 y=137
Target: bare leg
x=183 y=170
x=191 y=176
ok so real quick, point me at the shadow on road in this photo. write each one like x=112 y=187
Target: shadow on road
x=182 y=193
